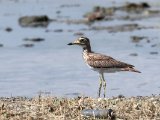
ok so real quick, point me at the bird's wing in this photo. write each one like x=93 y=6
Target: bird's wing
x=97 y=60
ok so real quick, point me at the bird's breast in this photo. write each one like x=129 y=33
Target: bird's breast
x=85 y=56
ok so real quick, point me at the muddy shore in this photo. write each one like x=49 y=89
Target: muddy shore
x=45 y=107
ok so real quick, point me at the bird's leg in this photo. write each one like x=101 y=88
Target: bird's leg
x=104 y=85
x=100 y=85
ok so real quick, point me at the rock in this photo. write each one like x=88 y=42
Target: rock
x=8 y=29
x=154 y=45
x=1 y=45
x=97 y=14
x=121 y=96
x=153 y=53
x=69 y=5
x=58 y=12
x=104 y=113
x=58 y=30
x=133 y=54
x=78 y=34
x=34 y=39
x=102 y=13
x=34 y=21
x=137 y=39
x=118 y=28
x=135 y=7
x=28 y=45
x=148 y=41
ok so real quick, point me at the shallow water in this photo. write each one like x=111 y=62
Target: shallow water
x=52 y=66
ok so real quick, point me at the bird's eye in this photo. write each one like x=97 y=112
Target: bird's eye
x=82 y=40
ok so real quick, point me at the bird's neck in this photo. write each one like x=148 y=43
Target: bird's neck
x=87 y=48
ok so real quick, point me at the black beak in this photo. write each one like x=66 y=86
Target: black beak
x=70 y=44
x=76 y=42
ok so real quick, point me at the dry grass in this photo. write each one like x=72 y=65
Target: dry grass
x=53 y=108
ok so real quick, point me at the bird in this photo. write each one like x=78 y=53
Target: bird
x=101 y=63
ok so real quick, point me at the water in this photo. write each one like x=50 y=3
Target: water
x=52 y=66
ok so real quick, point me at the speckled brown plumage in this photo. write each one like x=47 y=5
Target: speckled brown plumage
x=97 y=60
x=101 y=63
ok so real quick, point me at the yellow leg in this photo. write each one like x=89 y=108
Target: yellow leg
x=104 y=85
x=100 y=85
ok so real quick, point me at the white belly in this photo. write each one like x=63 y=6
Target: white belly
x=106 y=70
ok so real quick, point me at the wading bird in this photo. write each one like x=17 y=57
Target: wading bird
x=101 y=63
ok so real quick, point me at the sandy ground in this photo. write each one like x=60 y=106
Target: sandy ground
x=53 y=108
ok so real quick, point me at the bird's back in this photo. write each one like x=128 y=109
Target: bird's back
x=106 y=63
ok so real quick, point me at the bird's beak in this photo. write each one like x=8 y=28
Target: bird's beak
x=76 y=42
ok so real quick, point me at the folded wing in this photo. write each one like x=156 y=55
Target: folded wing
x=102 y=61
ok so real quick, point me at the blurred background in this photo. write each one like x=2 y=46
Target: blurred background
x=34 y=56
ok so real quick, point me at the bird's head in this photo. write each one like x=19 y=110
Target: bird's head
x=82 y=41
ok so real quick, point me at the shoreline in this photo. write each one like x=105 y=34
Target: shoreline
x=47 y=107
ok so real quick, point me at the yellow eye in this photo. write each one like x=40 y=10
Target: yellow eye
x=82 y=40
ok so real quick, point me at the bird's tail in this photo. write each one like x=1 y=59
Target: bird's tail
x=131 y=69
